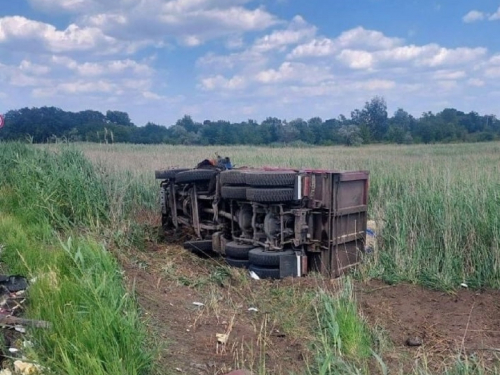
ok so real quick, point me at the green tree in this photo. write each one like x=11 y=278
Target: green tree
x=350 y=135
x=119 y=118
x=372 y=120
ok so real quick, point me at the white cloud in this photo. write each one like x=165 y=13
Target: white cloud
x=475 y=82
x=449 y=74
x=356 y=59
x=268 y=67
x=189 y=22
x=100 y=88
x=247 y=60
x=447 y=85
x=315 y=70
x=79 y=6
x=19 y=79
x=404 y=53
x=29 y=34
x=440 y=56
x=314 y=48
x=473 y=16
x=152 y=96
x=220 y=82
x=297 y=31
x=358 y=38
x=495 y=16
x=36 y=69
x=367 y=39
x=375 y=85
x=290 y=72
x=476 y=15
x=493 y=72
x=494 y=60
x=108 y=67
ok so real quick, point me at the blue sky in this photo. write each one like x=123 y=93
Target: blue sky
x=240 y=59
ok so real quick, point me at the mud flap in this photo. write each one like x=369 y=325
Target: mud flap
x=288 y=266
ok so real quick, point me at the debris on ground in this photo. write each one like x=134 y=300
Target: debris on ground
x=26 y=368
x=254 y=276
x=12 y=299
x=414 y=341
x=371 y=236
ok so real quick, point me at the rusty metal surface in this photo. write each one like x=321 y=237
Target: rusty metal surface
x=340 y=204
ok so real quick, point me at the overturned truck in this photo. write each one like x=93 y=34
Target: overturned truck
x=275 y=222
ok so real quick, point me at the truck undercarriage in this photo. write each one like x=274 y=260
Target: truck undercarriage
x=276 y=222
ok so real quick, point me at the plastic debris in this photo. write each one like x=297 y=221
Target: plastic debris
x=13 y=350
x=198 y=304
x=371 y=236
x=27 y=344
x=20 y=329
x=14 y=283
x=253 y=309
x=464 y=285
x=254 y=276
x=26 y=368
x=222 y=338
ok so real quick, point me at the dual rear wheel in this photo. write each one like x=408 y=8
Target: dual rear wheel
x=258 y=186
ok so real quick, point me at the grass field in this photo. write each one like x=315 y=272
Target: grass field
x=436 y=205
x=436 y=208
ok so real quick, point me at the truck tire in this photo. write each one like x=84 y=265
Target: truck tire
x=270 y=178
x=265 y=273
x=199 y=247
x=232 y=177
x=169 y=173
x=269 y=195
x=237 y=250
x=238 y=263
x=259 y=257
x=195 y=175
x=233 y=192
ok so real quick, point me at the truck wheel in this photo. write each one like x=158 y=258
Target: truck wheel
x=270 y=178
x=232 y=177
x=200 y=247
x=260 y=257
x=233 y=192
x=169 y=173
x=237 y=250
x=195 y=175
x=238 y=263
x=265 y=273
x=269 y=195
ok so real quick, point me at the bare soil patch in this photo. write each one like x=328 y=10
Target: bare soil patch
x=186 y=333
x=465 y=322
x=167 y=280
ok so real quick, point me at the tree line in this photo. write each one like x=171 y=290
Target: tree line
x=370 y=124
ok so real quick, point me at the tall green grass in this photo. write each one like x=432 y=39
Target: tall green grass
x=436 y=206
x=344 y=340
x=52 y=206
